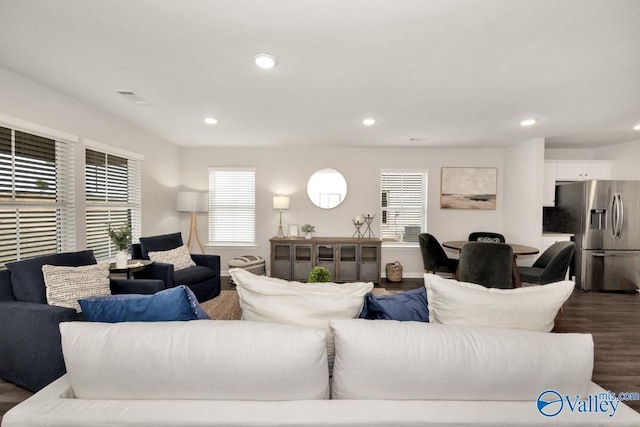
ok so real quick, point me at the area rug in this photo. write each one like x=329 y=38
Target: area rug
x=226 y=306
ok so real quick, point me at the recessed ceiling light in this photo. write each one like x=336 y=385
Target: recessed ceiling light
x=210 y=120
x=264 y=61
x=528 y=122
x=369 y=121
x=637 y=127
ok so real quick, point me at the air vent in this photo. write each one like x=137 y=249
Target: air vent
x=132 y=97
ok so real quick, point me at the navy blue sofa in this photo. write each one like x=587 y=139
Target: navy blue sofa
x=203 y=278
x=30 y=349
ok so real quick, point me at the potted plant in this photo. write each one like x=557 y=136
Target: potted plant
x=307 y=229
x=121 y=238
x=319 y=274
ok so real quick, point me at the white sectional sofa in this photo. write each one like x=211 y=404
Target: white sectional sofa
x=386 y=373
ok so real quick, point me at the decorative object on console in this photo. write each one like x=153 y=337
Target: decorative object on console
x=319 y=275
x=281 y=203
x=327 y=188
x=121 y=238
x=294 y=230
x=468 y=188
x=193 y=202
x=363 y=221
x=308 y=230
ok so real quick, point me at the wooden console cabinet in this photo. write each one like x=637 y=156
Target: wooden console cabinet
x=348 y=259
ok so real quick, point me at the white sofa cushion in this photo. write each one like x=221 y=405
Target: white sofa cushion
x=268 y=299
x=414 y=360
x=532 y=308
x=204 y=359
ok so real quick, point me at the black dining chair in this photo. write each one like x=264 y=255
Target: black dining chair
x=434 y=257
x=487 y=264
x=486 y=236
x=551 y=266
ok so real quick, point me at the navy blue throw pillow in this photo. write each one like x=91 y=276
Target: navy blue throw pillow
x=404 y=306
x=172 y=304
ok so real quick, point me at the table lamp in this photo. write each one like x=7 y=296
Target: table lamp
x=281 y=203
x=193 y=202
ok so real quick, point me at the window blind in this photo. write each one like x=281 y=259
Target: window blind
x=37 y=214
x=113 y=196
x=232 y=211
x=403 y=204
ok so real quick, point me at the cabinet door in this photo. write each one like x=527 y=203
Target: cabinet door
x=347 y=262
x=369 y=263
x=570 y=172
x=326 y=257
x=302 y=261
x=596 y=171
x=281 y=261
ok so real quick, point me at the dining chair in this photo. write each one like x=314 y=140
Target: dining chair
x=486 y=263
x=434 y=257
x=551 y=266
x=486 y=236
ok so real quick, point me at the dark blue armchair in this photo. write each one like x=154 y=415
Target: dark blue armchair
x=203 y=278
x=30 y=349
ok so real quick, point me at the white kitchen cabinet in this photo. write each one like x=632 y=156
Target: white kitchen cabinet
x=582 y=171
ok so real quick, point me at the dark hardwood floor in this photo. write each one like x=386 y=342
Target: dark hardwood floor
x=612 y=318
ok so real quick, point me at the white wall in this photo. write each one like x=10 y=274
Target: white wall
x=625 y=159
x=286 y=171
x=523 y=171
x=26 y=100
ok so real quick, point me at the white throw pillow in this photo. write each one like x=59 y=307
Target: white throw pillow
x=179 y=257
x=196 y=360
x=267 y=299
x=388 y=359
x=66 y=285
x=532 y=308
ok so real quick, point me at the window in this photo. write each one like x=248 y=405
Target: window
x=232 y=206
x=403 y=205
x=36 y=195
x=113 y=195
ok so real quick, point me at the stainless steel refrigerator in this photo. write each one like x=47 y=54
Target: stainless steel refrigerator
x=604 y=216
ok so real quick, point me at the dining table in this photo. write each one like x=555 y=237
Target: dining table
x=515 y=247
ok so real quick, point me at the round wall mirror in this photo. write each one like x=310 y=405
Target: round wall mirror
x=327 y=188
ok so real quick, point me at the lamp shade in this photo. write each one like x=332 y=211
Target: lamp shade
x=280 y=202
x=192 y=201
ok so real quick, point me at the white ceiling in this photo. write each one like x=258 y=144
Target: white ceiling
x=458 y=73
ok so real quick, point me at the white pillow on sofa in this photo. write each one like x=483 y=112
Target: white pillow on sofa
x=531 y=308
x=198 y=360
x=392 y=360
x=268 y=299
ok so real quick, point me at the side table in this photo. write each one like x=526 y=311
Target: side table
x=133 y=266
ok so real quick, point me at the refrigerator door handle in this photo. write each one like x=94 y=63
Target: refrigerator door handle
x=619 y=255
x=620 y=215
x=614 y=214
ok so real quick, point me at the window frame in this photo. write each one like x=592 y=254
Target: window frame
x=249 y=210
x=131 y=207
x=27 y=204
x=423 y=210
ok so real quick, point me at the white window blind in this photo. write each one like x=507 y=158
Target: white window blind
x=232 y=206
x=37 y=214
x=403 y=205
x=113 y=196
